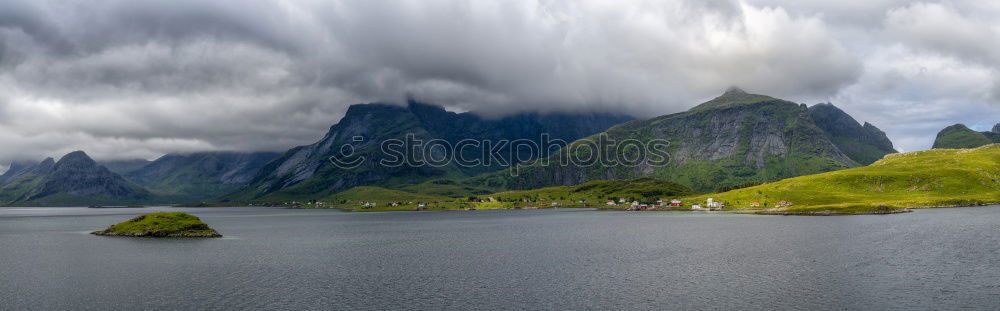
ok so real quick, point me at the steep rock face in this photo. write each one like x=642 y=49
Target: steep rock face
x=75 y=179
x=307 y=170
x=201 y=175
x=959 y=136
x=735 y=138
x=864 y=144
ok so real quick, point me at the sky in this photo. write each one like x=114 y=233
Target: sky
x=126 y=79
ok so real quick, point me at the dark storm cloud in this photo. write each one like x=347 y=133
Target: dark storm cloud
x=125 y=79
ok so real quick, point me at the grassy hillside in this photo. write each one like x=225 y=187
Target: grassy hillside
x=369 y=193
x=592 y=193
x=596 y=192
x=354 y=198
x=445 y=188
x=938 y=177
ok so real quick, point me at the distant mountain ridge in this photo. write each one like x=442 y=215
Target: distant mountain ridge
x=18 y=168
x=959 y=136
x=201 y=175
x=864 y=144
x=306 y=171
x=173 y=178
x=735 y=138
x=122 y=167
x=75 y=179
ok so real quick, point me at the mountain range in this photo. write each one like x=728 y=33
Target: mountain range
x=306 y=171
x=198 y=176
x=76 y=179
x=733 y=139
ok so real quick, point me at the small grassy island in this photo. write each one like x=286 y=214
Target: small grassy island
x=162 y=225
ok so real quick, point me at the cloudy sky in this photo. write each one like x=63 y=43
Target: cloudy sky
x=128 y=79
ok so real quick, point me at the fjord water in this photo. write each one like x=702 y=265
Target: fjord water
x=514 y=259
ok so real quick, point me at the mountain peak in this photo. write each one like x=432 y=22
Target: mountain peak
x=733 y=96
x=75 y=159
x=734 y=91
x=45 y=166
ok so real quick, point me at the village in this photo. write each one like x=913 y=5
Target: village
x=474 y=203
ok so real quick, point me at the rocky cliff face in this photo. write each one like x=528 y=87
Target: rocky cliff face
x=306 y=171
x=864 y=144
x=75 y=179
x=200 y=176
x=959 y=136
x=735 y=138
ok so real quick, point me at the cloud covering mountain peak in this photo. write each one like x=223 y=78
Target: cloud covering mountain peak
x=125 y=79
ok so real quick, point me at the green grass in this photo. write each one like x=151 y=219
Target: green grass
x=931 y=178
x=595 y=193
x=353 y=199
x=445 y=188
x=161 y=224
x=592 y=194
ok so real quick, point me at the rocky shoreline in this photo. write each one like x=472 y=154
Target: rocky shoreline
x=157 y=234
x=831 y=213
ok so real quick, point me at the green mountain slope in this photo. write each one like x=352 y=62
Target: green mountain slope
x=937 y=177
x=960 y=136
x=733 y=139
x=597 y=191
x=378 y=194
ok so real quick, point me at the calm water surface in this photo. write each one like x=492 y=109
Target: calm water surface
x=525 y=259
